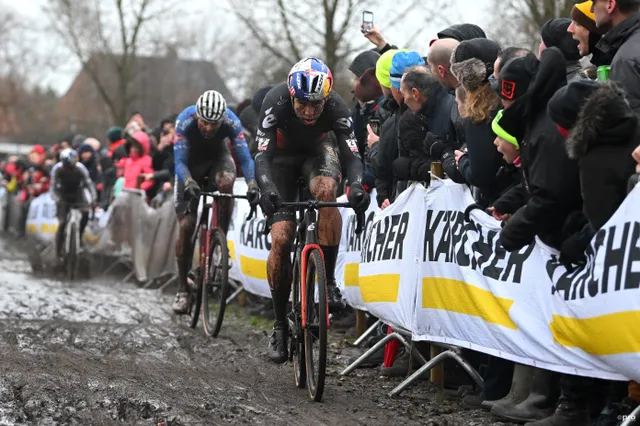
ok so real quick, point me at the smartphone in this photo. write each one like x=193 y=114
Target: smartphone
x=367 y=21
x=375 y=126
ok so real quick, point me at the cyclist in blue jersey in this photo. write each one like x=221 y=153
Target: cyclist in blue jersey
x=201 y=152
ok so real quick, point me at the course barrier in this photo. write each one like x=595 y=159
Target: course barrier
x=422 y=266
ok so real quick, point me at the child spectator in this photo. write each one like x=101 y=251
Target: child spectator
x=138 y=163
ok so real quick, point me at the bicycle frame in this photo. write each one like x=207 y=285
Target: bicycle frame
x=307 y=235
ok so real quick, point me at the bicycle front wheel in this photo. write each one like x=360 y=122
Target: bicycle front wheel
x=194 y=281
x=315 y=332
x=216 y=284
x=295 y=326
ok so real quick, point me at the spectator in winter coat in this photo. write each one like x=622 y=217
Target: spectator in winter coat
x=87 y=157
x=115 y=137
x=480 y=164
x=602 y=132
x=554 y=34
x=38 y=179
x=430 y=104
x=138 y=163
x=622 y=42
x=551 y=177
x=505 y=56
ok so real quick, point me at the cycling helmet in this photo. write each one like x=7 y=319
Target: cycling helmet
x=310 y=80
x=68 y=156
x=211 y=106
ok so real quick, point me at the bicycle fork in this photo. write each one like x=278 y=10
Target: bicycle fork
x=311 y=242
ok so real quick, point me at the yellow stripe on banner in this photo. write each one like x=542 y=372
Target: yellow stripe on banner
x=232 y=249
x=351 y=274
x=253 y=268
x=32 y=228
x=602 y=335
x=457 y=296
x=379 y=288
x=49 y=229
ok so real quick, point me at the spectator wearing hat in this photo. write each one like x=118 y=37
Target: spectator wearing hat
x=622 y=42
x=138 y=164
x=554 y=34
x=115 y=137
x=583 y=29
x=480 y=164
x=506 y=55
x=38 y=177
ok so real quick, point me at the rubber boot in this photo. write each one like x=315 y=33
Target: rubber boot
x=538 y=405
x=520 y=388
x=568 y=413
x=497 y=382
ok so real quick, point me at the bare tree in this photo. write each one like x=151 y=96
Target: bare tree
x=520 y=20
x=328 y=29
x=106 y=37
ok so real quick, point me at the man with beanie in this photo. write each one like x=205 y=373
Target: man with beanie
x=583 y=29
x=462 y=32
x=621 y=19
x=514 y=78
x=554 y=34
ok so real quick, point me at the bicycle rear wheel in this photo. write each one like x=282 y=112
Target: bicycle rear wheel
x=216 y=284
x=72 y=253
x=295 y=327
x=194 y=281
x=315 y=332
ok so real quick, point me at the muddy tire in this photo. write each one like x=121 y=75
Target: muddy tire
x=315 y=332
x=215 y=289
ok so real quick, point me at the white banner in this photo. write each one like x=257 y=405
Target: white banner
x=459 y=286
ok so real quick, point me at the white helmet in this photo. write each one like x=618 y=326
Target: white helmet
x=211 y=106
x=68 y=156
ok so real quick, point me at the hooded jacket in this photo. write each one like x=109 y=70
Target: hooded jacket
x=462 y=32
x=602 y=140
x=551 y=178
x=135 y=165
x=623 y=43
x=91 y=164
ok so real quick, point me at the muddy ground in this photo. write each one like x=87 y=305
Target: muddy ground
x=100 y=353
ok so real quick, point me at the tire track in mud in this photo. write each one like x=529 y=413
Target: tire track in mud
x=98 y=353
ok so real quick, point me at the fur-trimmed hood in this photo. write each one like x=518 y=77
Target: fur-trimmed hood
x=605 y=118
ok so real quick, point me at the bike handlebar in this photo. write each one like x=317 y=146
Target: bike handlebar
x=315 y=205
x=217 y=194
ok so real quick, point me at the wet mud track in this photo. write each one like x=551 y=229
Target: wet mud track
x=99 y=353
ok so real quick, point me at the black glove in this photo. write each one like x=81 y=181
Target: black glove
x=192 y=189
x=253 y=194
x=358 y=198
x=421 y=170
x=434 y=145
x=270 y=201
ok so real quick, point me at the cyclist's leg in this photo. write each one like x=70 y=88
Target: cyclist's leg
x=184 y=250
x=85 y=218
x=323 y=172
x=279 y=267
x=61 y=211
x=224 y=174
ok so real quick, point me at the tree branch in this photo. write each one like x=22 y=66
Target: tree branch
x=287 y=30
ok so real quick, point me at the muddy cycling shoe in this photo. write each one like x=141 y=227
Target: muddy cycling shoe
x=181 y=303
x=336 y=302
x=278 y=343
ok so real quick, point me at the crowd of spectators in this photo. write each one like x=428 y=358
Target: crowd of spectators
x=548 y=146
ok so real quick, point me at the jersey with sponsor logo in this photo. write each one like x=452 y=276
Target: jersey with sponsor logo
x=281 y=133
x=194 y=154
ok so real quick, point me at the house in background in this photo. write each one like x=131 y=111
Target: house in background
x=160 y=86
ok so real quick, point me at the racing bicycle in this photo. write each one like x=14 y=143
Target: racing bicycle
x=208 y=277
x=309 y=319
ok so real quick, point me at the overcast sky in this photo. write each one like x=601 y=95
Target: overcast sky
x=473 y=11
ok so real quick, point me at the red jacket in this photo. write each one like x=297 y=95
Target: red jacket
x=135 y=165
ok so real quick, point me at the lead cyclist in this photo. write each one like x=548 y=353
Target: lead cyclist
x=305 y=130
